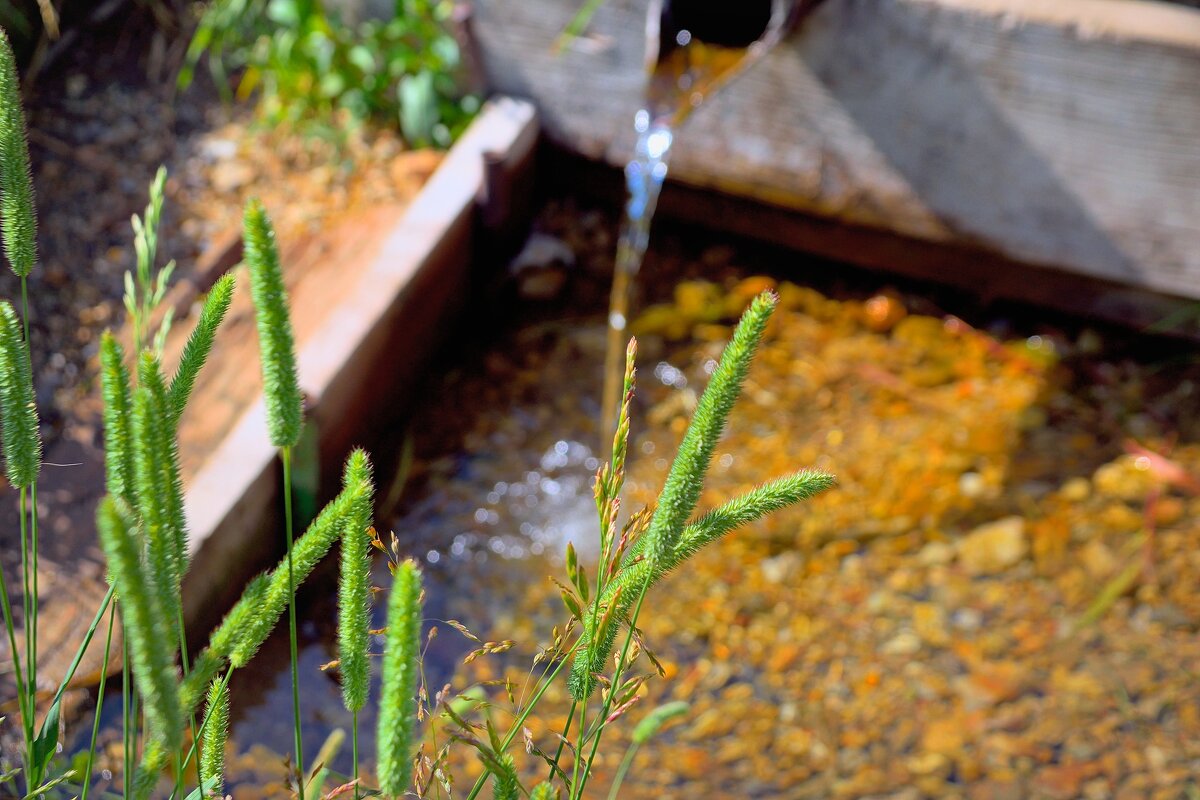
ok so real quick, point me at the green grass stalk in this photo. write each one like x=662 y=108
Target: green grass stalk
x=33 y=502
x=645 y=730
x=27 y=619
x=520 y=720
x=91 y=755
x=602 y=722
x=128 y=712
x=281 y=393
x=286 y=455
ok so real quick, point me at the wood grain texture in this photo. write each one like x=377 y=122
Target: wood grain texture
x=1056 y=134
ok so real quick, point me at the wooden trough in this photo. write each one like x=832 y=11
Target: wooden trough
x=1018 y=148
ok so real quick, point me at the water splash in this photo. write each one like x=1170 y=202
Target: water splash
x=686 y=72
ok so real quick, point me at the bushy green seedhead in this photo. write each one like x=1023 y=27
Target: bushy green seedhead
x=686 y=478
x=145 y=623
x=505 y=785
x=118 y=413
x=205 y=668
x=18 y=410
x=159 y=490
x=240 y=618
x=757 y=503
x=146 y=289
x=543 y=791
x=17 y=214
x=354 y=588
x=199 y=344
x=307 y=551
x=669 y=541
x=216 y=732
x=398 y=704
x=155 y=757
x=281 y=388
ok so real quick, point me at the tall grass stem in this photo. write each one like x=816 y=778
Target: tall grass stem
x=286 y=455
x=91 y=756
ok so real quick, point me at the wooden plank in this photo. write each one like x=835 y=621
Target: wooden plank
x=1061 y=135
x=360 y=346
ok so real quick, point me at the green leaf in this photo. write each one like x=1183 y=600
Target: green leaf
x=46 y=742
x=418 y=108
x=46 y=787
x=204 y=790
x=285 y=13
x=361 y=57
x=572 y=604
x=653 y=722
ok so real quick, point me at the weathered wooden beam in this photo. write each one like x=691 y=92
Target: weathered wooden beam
x=1060 y=135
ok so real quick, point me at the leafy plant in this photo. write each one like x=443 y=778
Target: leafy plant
x=143 y=534
x=311 y=70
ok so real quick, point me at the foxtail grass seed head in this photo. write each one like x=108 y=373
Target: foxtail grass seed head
x=155 y=757
x=152 y=441
x=118 y=410
x=145 y=624
x=216 y=732
x=757 y=503
x=354 y=588
x=241 y=617
x=166 y=456
x=200 y=343
x=663 y=547
x=686 y=477
x=205 y=669
x=398 y=704
x=18 y=411
x=17 y=215
x=505 y=785
x=543 y=791
x=281 y=388
x=306 y=552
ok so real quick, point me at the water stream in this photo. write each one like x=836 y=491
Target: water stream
x=689 y=66
x=644 y=176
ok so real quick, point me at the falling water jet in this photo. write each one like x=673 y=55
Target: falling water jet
x=694 y=47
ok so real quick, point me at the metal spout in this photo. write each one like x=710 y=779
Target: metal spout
x=749 y=24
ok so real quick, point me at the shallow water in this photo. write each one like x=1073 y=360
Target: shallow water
x=857 y=645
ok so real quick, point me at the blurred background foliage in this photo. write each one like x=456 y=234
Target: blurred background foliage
x=318 y=67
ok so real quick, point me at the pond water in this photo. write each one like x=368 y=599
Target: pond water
x=958 y=618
